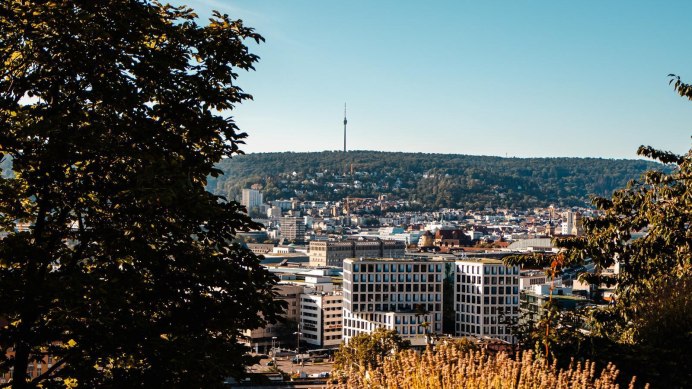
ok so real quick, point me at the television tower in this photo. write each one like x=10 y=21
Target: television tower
x=345 y=121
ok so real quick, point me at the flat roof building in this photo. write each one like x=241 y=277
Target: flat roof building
x=332 y=253
x=292 y=228
x=486 y=298
x=321 y=318
x=251 y=198
x=407 y=296
x=397 y=294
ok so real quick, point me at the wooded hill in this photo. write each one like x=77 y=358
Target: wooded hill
x=429 y=181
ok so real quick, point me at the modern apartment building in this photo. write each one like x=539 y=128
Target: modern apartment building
x=251 y=198
x=407 y=296
x=332 y=253
x=397 y=294
x=321 y=318
x=486 y=298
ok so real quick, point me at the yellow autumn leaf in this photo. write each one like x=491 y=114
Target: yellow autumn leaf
x=70 y=382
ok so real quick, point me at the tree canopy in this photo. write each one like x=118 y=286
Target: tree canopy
x=368 y=350
x=116 y=263
x=641 y=243
x=645 y=230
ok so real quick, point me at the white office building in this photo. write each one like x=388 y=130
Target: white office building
x=486 y=298
x=407 y=296
x=396 y=294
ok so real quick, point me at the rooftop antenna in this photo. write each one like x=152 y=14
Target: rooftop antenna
x=345 y=121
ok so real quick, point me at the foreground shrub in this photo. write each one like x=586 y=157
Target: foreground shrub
x=449 y=367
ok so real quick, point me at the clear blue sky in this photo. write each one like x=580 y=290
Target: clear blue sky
x=515 y=78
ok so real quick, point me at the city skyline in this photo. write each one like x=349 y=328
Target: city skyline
x=505 y=79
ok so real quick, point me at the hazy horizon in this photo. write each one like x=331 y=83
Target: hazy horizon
x=635 y=158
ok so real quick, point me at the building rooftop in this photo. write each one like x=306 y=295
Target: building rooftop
x=490 y=261
x=405 y=260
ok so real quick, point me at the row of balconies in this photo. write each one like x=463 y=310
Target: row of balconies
x=415 y=277
x=376 y=297
x=395 y=307
x=378 y=287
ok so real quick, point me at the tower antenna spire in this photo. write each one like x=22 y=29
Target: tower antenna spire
x=345 y=121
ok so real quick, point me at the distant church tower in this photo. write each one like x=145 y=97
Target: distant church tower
x=345 y=121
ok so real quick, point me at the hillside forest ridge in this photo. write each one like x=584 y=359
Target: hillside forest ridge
x=427 y=181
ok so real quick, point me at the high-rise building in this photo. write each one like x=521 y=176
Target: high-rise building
x=486 y=298
x=251 y=198
x=292 y=228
